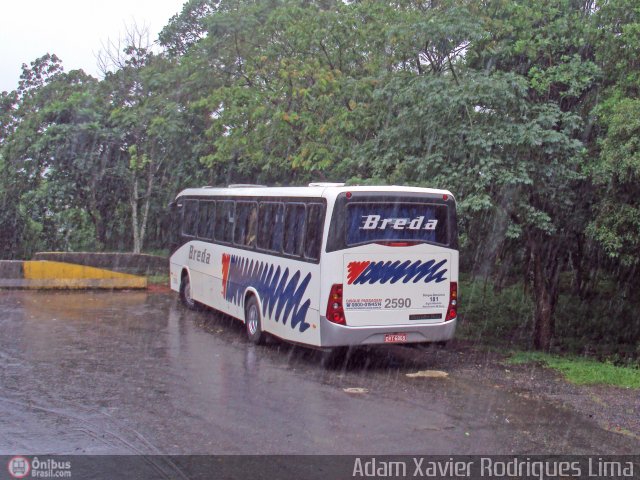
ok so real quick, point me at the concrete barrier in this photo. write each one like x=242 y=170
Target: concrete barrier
x=45 y=274
x=136 y=264
x=11 y=269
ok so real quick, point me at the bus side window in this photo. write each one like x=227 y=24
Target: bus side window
x=190 y=218
x=293 y=228
x=313 y=233
x=225 y=219
x=246 y=224
x=270 y=229
x=206 y=219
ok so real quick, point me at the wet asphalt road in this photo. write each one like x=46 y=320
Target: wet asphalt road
x=135 y=373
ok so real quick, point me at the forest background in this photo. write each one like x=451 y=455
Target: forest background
x=529 y=112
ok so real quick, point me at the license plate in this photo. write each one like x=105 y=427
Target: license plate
x=395 y=338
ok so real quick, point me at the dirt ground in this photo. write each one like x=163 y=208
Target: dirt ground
x=613 y=408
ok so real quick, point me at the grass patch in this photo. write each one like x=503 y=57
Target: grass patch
x=160 y=252
x=582 y=371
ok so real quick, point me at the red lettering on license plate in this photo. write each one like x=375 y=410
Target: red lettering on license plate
x=395 y=337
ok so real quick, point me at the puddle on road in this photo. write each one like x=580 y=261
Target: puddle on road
x=355 y=390
x=169 y=380
x=428 y=374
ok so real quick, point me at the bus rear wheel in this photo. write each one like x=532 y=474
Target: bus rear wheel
x=334 y=358
x=253 y=321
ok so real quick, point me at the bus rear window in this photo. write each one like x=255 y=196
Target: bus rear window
x=388 y=222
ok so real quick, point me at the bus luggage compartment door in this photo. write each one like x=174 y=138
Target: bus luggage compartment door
x=396 y=289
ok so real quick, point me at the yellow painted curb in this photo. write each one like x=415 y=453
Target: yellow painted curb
x=46 y=274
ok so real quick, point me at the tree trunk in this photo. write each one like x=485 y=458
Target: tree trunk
x=95 y=215
x=546 y=276
x=140 y=224
x=137 y=247
x=487 y=254
x=145 y=209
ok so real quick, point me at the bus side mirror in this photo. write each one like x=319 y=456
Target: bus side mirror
x=172 y=205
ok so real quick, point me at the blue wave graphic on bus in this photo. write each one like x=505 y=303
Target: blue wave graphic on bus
x=280 y=295
x=359 y=273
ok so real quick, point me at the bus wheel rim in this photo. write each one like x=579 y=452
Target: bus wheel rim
x=253 y=320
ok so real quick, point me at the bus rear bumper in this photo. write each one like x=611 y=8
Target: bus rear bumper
x=334 y=335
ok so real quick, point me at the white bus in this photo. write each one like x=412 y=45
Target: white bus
x=326 y=265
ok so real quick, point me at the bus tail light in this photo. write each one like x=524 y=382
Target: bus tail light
x=452 y=311
x=335 y=312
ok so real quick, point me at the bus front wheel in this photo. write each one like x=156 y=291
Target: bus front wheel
x=253 y=321
x=185 y=293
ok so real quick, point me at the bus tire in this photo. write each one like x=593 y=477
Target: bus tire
x=253 y=322
x=185 y=293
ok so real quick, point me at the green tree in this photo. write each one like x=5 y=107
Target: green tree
x=616 y=167
x=24 y=156
x=549 y=45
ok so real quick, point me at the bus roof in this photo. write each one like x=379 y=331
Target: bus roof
x=317 y=190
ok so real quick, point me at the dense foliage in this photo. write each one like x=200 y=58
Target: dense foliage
x=528 y=111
